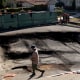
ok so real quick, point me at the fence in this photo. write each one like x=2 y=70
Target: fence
x=21 y=20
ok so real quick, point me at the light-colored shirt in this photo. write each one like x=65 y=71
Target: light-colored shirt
x=35 y=57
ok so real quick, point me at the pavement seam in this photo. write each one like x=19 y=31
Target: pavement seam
x=71 y=72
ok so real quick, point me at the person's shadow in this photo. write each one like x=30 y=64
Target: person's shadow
x=23 y=67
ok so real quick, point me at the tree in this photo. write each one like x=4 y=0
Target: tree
x=73 y=4
x=59 y=4
x=2 y=3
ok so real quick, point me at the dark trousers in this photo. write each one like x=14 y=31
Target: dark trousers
x=34 y=67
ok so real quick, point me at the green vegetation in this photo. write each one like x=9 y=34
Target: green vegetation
x=34 y=8
x=39 y=8
x=2 y=3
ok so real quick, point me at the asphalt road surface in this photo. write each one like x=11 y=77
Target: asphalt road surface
x=59 y=53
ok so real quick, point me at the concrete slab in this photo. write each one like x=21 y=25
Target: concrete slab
x=62 y=77
x=51 y=28
x=44 y=45
x=56 y=45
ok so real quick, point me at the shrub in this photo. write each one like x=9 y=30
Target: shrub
x=39 y=8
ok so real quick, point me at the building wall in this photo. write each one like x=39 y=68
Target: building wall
x=52 y=2
x=69 y=2
x=27 y=5
x=77 y=3
x=12 y=3
x=51 y=5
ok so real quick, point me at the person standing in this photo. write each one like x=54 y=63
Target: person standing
x=35 y=61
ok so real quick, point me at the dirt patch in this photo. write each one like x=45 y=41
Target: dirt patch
x=55 y=66
x=75 y=20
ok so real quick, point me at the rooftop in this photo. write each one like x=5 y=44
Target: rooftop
x=35 y=2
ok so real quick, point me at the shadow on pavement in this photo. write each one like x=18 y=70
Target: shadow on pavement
x=23 y=67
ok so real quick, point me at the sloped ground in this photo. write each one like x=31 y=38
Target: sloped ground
x=59 y=52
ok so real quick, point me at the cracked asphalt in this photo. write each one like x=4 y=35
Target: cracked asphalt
x=59 y=53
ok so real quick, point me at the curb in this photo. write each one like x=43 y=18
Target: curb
x=72 y=72
x=75 y=23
